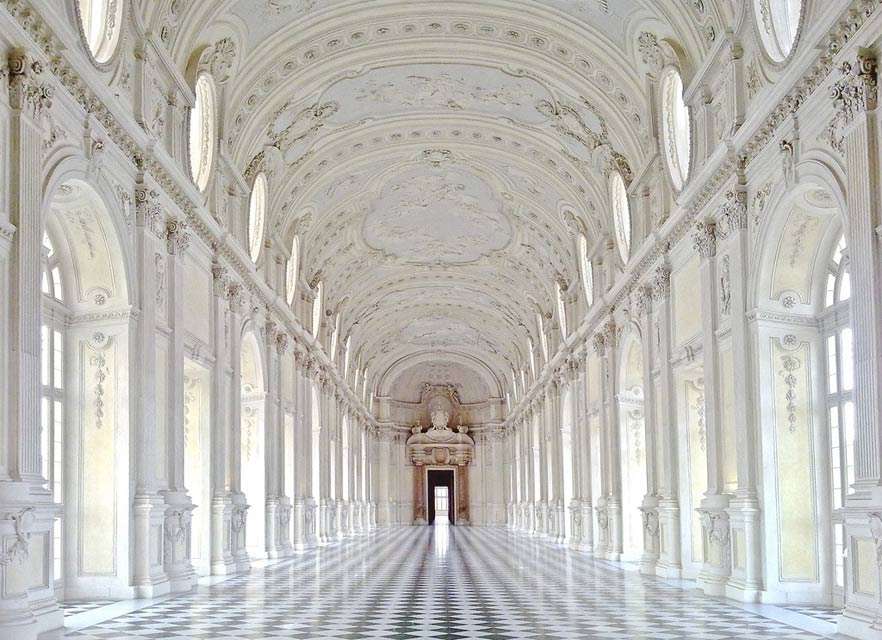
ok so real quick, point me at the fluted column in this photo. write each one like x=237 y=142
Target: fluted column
x=649 y=505
x=855 y=97
x=715 y=569
x=23 y=497
x=667 y=456
x=179 y=505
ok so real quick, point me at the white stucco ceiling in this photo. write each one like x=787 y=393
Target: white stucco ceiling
x=436 y=158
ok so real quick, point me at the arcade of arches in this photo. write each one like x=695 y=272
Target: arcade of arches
x=614 y=269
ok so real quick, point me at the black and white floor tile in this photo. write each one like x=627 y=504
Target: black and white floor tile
x=828 y=614
x=75 y=607
x=444 y=582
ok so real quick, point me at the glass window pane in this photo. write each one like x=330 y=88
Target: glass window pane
x=832 y=373
x=45 y=355
x=845 y=286
x=847 y=359
x=57 y=361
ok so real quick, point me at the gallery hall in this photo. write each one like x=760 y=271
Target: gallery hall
x=450 y=319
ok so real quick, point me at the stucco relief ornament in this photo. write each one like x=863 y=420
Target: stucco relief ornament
x=704 y=239
x=176 y=237
x=149 y=212
x=24 y=521
x=789 y=364
x=875 y=524
x=27 y=91
x=218 y=59
x=661 y=283
x=733 y=214
x=725 y=288
x=855 y=92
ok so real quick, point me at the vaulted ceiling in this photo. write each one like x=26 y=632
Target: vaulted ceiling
x=437 y=158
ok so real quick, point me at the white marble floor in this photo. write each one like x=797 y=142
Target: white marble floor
x=442 y=582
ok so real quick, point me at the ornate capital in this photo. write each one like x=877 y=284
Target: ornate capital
x=281 y=342
x=661 y=283
x=733 y=214
x=220 y=279
x=235 y=297
x=641 y=300
x=704 y=239
x=857 y=90
x=149 y=213
x=176 y=237
x=599 y=343
x=27 y=90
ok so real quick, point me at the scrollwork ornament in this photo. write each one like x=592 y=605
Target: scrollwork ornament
x=661 y=283
x=23 y=521
x=733 y=214
x=704 y=239
x=27 y=90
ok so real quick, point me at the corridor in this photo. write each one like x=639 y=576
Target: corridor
x=445 y=582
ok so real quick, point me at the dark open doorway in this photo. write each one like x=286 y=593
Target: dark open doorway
x=440 y=478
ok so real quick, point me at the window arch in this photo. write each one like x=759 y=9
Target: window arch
x=291 y=272
x=562 y=310
x=51 y=285
x=676 y=128
x=257 y=216
x=778 y=22
x=203 y=130
x=317 y=309
x=587 y=271
x=840 y=392
x=621 y=215
x=101 y=24
x=543 y=339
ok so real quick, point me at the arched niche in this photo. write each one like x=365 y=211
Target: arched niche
x=85 y=405
x=252 y=441
x=632 y=440
x=799 y=355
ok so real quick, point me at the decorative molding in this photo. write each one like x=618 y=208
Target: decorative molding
x=23 y=521
x=27 y=90
x=218 y=59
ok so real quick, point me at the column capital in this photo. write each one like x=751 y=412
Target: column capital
x=661 y=283
x=704 y=239
x=857 y=89
x=27 y=89
x=176 y=237
x=733 y=213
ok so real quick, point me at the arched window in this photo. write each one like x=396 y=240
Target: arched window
x=587 y=271
x=317 y=310
x=676 y=128
x=256 y=216
x=51 y=285
x=346 y=355
x=778 y=22
x=101 y=23
x=840 y=392
x=543 y=339
x=291 y=271
x=203 y=131
x=52 y=391
x=621 y=215
x=335 y=335
x=562 y=311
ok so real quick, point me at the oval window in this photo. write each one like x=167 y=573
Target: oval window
x=778 y=22
x=256 y=216
x=203 y=126
x=101 y=24
x=676 y=128
x=621 y=215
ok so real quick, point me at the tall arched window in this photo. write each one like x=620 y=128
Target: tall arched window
x=101 y=23
x=840 y=391
x=317 y=310
x=291 y=271
x=203 y=130
x=676 y=128
x=256 y=216
x=587 y=271
x=543 y=339
x=778 y=22
x=562 y=311
x=621 y=215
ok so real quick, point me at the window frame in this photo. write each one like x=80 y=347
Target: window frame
x=678 y=174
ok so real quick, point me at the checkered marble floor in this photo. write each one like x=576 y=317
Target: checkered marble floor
x=444 y=582
x=828 y=614
x=75 y=607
